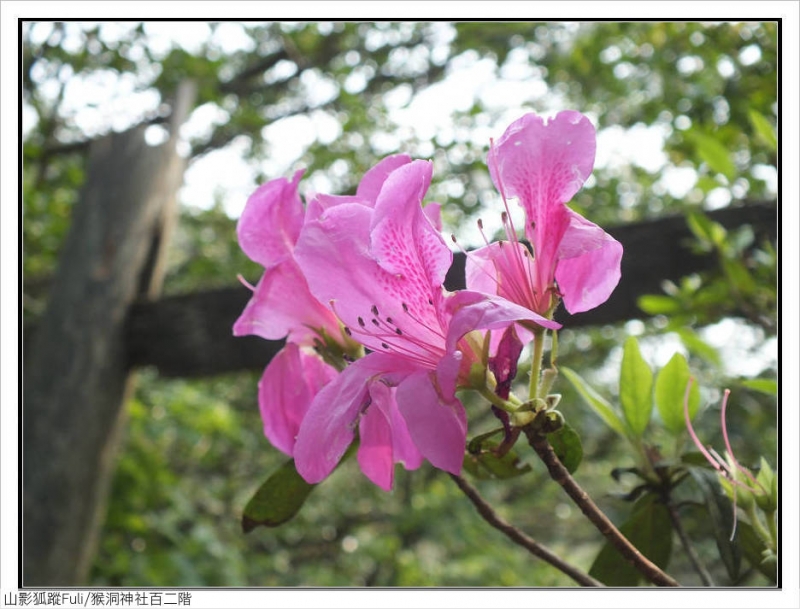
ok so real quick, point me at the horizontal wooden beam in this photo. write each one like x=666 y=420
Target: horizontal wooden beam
x=190 y=335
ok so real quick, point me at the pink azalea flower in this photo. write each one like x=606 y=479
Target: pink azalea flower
x=381 y=269
x=282 y=304
x=543 y=164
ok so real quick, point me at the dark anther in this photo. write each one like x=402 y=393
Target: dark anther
x=375 y=322
x=398 y=331
x=374 y=310
x=405 y=307
x=347 y=331
x=361 y=322
x=388 y=320
x=385 y=346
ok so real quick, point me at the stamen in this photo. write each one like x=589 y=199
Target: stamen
x=480 y=229
x=347 y=331
x=246 y=284
x=690 y=429
x=361 y=322
x=736 y=464
x=374 y=310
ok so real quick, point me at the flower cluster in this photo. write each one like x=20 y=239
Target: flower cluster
x=376 y=347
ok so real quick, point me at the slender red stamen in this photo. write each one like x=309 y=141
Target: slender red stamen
x=736 y=464
x=246 y=284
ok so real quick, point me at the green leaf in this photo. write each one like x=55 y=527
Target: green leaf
x=635 y=387
x=715 y=155
x=649 y=528
x=278 y=500
x=567 y=445
x=657 y=304
x=698 y=346
x=709 y=233
x=764 y=129
x=740 y=278
x=595 y=401
x=670 y=391
x=486 y=465
x=720 y=512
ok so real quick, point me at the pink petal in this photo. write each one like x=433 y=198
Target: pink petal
x=283 y=305
x=384 y=438
x=589 y=268
x=367 y=191
x=375 y=452
x=481 y=272
x=506 y=269
x=403 y=239
x=318 y=203
x=372 y=182
x=475 y=311
x=384 y=311
x=405 y=451
x=329 y=425
x=544 y=163
x=447 y=373
x=433 y=211
x=437 y=424
x=271 y=221
x=285 y=391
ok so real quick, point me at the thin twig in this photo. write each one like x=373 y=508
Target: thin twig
x=520 y=538
x=560 y=474
x=688 y=547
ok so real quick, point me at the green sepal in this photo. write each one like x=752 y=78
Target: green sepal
x=486 y=465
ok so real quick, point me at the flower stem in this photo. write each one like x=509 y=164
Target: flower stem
x=688 y=547
x=518 y=537
x=536 y=361
x=559 y=473
x=496 y=400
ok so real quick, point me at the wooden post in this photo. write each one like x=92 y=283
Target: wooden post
x=76 y=376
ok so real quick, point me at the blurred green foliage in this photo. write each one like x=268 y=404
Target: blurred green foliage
x=194 y=450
